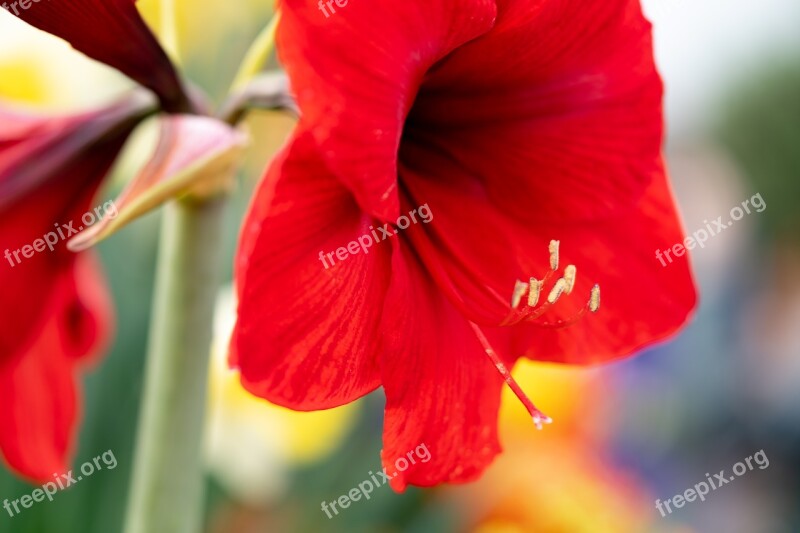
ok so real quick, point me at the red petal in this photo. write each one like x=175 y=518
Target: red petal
x=306 y=337
x=38 y=386
x=567 y=128
x=112 y=32
x=442 y=391
x=357 y=73
x=35 y=148
x=194 y=154
x=49 y=173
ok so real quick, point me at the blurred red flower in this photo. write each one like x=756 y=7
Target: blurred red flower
x=516 y=122
x=55 y=312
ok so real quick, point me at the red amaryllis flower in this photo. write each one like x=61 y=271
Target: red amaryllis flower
x=55 y=313
x=514 y=122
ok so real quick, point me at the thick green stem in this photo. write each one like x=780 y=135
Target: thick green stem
x=167 y=484
x=257 y=55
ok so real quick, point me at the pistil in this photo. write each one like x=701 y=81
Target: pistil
x=539 y=418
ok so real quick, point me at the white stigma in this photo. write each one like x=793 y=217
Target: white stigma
x=539 y=419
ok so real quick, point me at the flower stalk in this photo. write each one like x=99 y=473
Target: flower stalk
x=257 y=55
x=167 y=485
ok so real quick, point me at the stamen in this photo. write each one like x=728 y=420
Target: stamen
x=534 y=309
x=538 y=417
x=519 y=290
x=569 y=276
x=533 y=295
x=594 y=300
x=554 y=254
x=557 y=290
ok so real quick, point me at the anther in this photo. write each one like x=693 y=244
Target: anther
x=554 y=255
x=533 y=309
x=594 y=300
x=533 y=294
x=569 y=277
x=519 y=290
x=556 y=291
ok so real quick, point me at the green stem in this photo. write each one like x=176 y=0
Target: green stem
x=257 y=54
x=166 y=492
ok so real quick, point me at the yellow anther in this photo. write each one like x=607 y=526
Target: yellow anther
x=533 y=312
x=557 y=290
x=519 y=291
x=569 y=277
x=554 y=255
x=533 y=294
x=594 y=300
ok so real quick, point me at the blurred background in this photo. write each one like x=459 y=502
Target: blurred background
x=625 y=435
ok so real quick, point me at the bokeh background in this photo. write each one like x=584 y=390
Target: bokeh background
x=625 y=434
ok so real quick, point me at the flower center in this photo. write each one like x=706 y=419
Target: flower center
x=529 y=310
x=525 y=307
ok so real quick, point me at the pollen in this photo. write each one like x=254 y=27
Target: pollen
x=594 y=300
x=533 y=294
x=554 y=254
x=519 y=291
x=569 y=276
x=557 y=290
x=535 y=309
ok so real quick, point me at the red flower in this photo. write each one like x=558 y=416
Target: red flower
x=54 y=312
x=515 y=122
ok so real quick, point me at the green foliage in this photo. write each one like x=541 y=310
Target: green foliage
x=761 y=128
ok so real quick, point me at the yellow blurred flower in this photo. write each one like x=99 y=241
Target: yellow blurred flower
x=42 y=71
x=557 y=390
x=562 y=487
x=557 y=480
x=21 y=82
